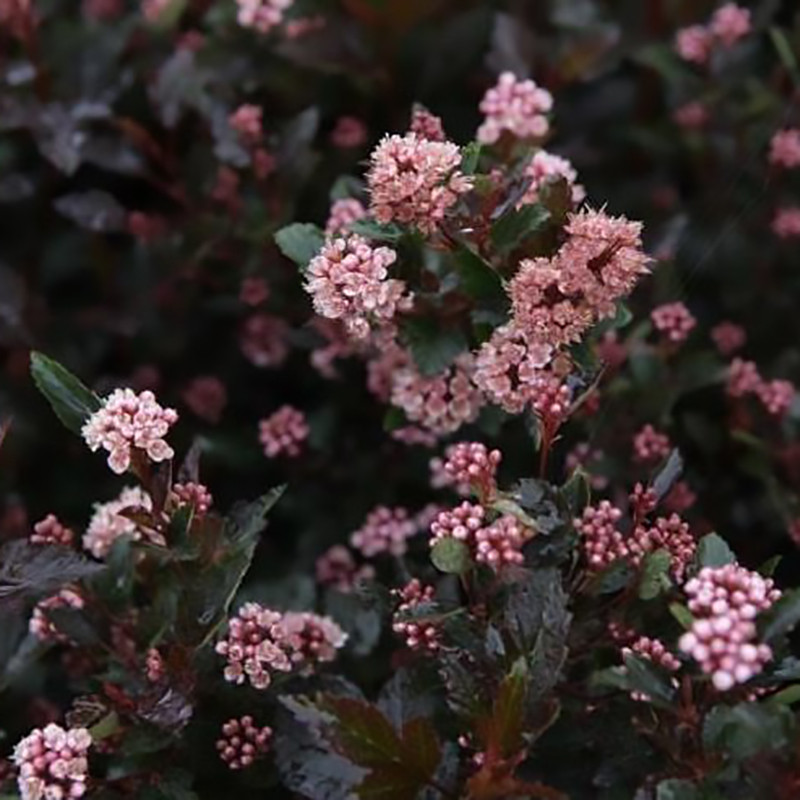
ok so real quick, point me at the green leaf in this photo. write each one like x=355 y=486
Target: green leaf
x=786 y=697
x=362 y=732
x=434 y=348
x=655 y=575
x=577 y=491
x=747 y=729
x=470 y=156
x=71 y=401
x=377 y=232
x=501 y=733
x=514 y=226
x=300 y=242
x=782 y=617
x=713 y=551
x=479 y=280
x=451 y=556
x=674 y=789
x=640 y=676
x=682 y=614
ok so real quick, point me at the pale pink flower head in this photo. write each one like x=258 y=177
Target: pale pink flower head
x=440 y=403
x=147 y=228
x=518 y=107
x=650 y=445
x=500 y=543
x=461 y=523
x=261 y=15
x=52 y=763
x=128 y=423
x=601 y=540
x=414 y=435
x=414 y=181
x=694 y=44
x=667 y=533
x=283 y=433
x=51 y=531
x=776 y=396
x=473 y=464
x=40 y=625
x=349 y=133
x=192 y=494
x=691 y=116
x=743 y=378
x=253 y=291
x=545 y=168
x=785 y=148
x=336 y=567
x=247 y=122
x=102 y=10
x=344 y=213
x=786 y=223
x=673 y=321
x=263 y=340
x=728 y=337
x=385 y=530
x=242 y=742
x=206 y=396
x=308 y=639
x=349 y=280
x=730 y=23
x=108 y=523
x=153 y=9
x=419 y=634
x=426 y=125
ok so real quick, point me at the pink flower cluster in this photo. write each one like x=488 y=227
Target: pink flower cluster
x=283 y=433
x=473 y=464
x=348 y=280
x=674 y=321
x=343 y=214
x=349 y=132
x=650 y=445
x=51 y=531
x=129 y=422
x=441 y=403
x=261 y=642
x=40 y=625
x=192 y=494
x=414 y=181
x=728 y=25
x=723 y=638
x=336 y=567
x=247 y=122
x=691 y=116
x=728 y=337
x=108 y=523
x=154 y=666
x=784 y=150
x=516 y=106
x=602 y=542
x=426 y=125
x=206 y=396
x=554 y=300
x=53 y=763
x=261 y=15
x=667 y=533
x=253 y=291
x=263 y=340
x=385 y=530
x=152 y=9
x=242 y=742
x=744 y=378
x=545 y=168
x=786 y=222
x=419 y=634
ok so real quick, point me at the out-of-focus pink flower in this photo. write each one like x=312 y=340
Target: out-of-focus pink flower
x=344 y=213
x=153 y=9
x=415 y=181
x=242 y=742
x=776 y=396
x=411 y=435
x=785 y=148
x=253 y=291
x=147 y=228
x=650 y=445
x=545 y=168
x=264 y=163
x=226 y=189
x=338 y=345
x=247 y=122
x=40 y=625
x=207 y=397
x=261 y=15
x=692 y=116
x=743 y=378
x=610 y=350
x=680 y=498
x=192 y=494
x=516 y=106
x=108 y=524
x=154 y=668
x=129 y=423
x=263 y=340
x=102 y=10
x=50 y=531
x=584 y=456
x=302 y=26
x=349 y=133
x=728 y=337
x=385 y=530
x=284 y=432
x=426 y=125
x=786 y=222
x=419 y=634
x=730 y=23
x=674 y=321
x=349 y=280
x=336 y=567
x=694 y=44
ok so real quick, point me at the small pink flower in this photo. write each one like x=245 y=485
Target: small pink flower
x=743 y=378
x=261 y=15
x=413 y=435
x=694 y=44
x=785 y=148
x=691 y=116
x=473 y=464
x=426 y=125
x=308 y=639
x=192 y=494
x=516 y=106
x=336 y=567
x=349 y=133
x=728 y=337
x=343 y=214
x=786 y=222
x=242 y=742
x=147 y=228
x=50 y=531
x=253 y=291
x=206 y=396
x=302 y=26
x=226 y=189
x=730 y=23
x=40 y=625
x=419 y=634
x=247 y=122
x=154 y=666
x=263 y=340
x=385 y=530
x=776 y=396
x=153 y=9
x=545 y=168
x=108 y=522
x=500 y=543
x=602 y=542
x=414 y=181
x=650 y=445
x=284 y=432
x=667 y=533
x=674 y=321
x=128 y=422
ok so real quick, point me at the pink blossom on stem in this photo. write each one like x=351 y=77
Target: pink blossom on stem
x=349 y=133
x=674 y=321
x=730 y=23
x=419 y=634
x=242 y=742
x=336 y=567
x=694 y=44
x=154 y=666
x=385 y=530
x=247 y=122
x=517 y=106
x=263 y=340
x=348 y=280
x=206 y=396
x=501 y=543
x=128 y=422
x=602 y=542
x=192 y=494
x=461 y=523
x=51 y=531
x=108 y=523
x=283 y=433
x=343 y=214
x=473 y=464
x=667 y=533
x=253 y=291
x=743 y=378
x=426 y=125
x=723 y=638
x=785 y=148
x=650 y=445
x=728 y=337
x=414 y=181
x=545 y=168
x=776 y=396
x=261 y=15
x=413 y=435
x=53 y=763
x=786 y=223
x=308 y=639
x=680 y=498
x=652 y=650
x=40 y=625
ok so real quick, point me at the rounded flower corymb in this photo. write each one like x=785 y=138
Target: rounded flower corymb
x=129 y=422
x=516 y=106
